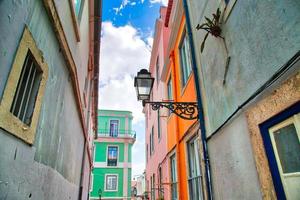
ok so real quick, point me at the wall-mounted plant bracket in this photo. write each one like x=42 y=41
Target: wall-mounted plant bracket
x=213 y=27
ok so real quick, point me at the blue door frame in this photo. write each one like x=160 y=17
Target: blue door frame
x=264 y=129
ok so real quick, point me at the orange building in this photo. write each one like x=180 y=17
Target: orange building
x=184 y=148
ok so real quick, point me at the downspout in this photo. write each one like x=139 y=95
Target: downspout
x=200 y=105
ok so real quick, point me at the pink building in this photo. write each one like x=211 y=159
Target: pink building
x=157 y=170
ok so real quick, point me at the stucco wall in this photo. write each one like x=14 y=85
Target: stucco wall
x=233 y=169
x=260 y=35
x=50 y=169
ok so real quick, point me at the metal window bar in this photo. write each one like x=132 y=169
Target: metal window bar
x=27 y=88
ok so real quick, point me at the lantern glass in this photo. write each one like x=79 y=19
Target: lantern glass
x=143 y=83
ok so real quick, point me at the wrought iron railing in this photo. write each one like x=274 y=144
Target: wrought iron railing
x=195 y=188
x=116 y=133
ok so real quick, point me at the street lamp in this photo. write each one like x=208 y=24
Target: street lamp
x=143 y=84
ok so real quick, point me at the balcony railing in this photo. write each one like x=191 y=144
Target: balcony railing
x=116 y=133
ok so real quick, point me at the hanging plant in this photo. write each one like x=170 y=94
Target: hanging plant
x=211 y=26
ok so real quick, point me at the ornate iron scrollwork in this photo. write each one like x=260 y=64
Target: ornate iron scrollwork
x=185 y=110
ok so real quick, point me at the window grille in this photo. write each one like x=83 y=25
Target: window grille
x=27 y=90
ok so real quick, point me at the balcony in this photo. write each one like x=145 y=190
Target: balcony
x=116 y=133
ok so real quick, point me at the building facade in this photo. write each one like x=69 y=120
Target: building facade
x=245 y=144
x=185 y=180
x=157 y=172
x=111 y=175
x=249 y=79
x=48 y=92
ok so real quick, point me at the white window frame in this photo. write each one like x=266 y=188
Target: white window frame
x=117 y=184
x=118 y=156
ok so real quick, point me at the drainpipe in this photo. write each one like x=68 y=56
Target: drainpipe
x=200 y=105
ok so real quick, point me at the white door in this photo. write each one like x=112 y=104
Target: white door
x=285 y=138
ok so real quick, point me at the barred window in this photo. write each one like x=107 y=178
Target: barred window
x=27 y=90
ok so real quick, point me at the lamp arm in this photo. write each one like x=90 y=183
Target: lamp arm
x=185 y=110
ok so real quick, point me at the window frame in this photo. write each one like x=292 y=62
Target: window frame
x=107 y=151
x=171 y=175
x=117 y=182
x=157 y=70
x=118 y=129
x=194 y=142
x=8 y=121
x=264 y=130
x=158 y=125
x=76 y=19
x=185 y=71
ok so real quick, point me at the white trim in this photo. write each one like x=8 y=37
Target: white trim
x=125 y=175
x=109 y=198
x=104 y=165
x=92 y=182
x=107 y=155
x=117 y=185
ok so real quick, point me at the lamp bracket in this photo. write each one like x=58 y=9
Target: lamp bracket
x=185 y=110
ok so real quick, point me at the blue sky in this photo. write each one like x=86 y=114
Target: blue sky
x=138 y=13
x=126 y=40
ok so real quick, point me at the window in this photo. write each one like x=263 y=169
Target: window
x=194 y=179
x=147 y=152
x=27 y=89
x=112 y=156
x=113 y=128
x=111 y=182
x=286 y=146
x=22 y=97
x=152 y=141
x=185 y=58
x=153 y=187
x=158 y=124
x=281 y=134
x=173 y=177
x=78 y=4
x=157 y=70
x=160 y=188
x=170 y=93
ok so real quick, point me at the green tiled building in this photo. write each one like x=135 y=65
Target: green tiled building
x=111 y=176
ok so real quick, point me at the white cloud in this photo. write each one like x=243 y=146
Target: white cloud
x=123 y=5
x=163 y=2
x=119 y=94
x=123 y=53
